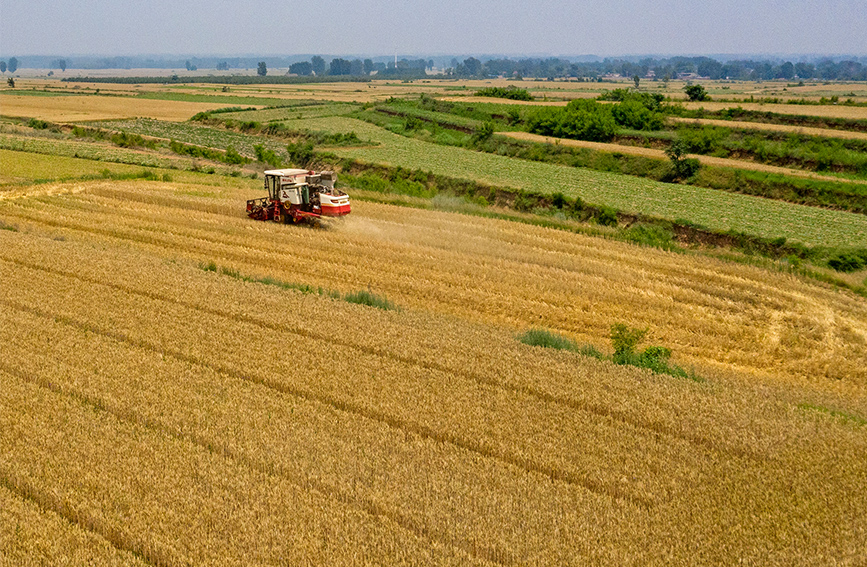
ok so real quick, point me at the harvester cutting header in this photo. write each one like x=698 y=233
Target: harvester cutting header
x=299 y=194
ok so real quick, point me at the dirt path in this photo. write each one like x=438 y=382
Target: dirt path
x=659 y=154
x=824 y=132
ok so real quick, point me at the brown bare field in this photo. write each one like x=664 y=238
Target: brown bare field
x=660 y=154
x=822 y=132
x=81 y=108
x=188 y=416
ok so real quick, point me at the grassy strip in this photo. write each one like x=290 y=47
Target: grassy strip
x=547 y=339
x=363 y=297
x=278 y=130
x=841 y=415
x=230 y=156
x=653 y=358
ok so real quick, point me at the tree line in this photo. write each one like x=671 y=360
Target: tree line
x=663 y=69
x=841 y=69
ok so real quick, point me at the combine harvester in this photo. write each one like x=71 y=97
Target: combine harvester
x=298 y=194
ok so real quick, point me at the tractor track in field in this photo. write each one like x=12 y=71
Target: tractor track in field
x=48 y=501
x=423 y=431
x=307 y=483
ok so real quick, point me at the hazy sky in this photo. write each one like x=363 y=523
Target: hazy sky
x=416 y=27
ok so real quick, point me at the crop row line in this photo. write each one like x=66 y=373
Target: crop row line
x=48 y=500
x=536 y=393
x=425 y=432
x=367 y=505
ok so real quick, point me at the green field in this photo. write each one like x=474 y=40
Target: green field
x=716 y=210
x=192 y=133
x=292 y=112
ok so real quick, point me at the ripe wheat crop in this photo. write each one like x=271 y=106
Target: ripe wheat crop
x=81 y=108
x=31 y=535
x=192 y=417
x=519 y=276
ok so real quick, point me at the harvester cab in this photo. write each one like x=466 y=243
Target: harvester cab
x=299 y=194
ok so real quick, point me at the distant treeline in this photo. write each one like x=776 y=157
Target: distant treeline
x=672 y=68
x=839 y=69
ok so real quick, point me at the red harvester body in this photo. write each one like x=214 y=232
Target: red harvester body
x=295 y=195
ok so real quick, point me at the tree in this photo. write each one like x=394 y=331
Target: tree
x=636 y=79
x=13 y=64
x=473 y=67
x=2 y=66
x=787 y=70
x=339 y=66
x=223 y=66
x=696 y=92
x=62 y=64
x=263 y=69
x=682 y=166
x=582 y=119
x=301 y=68
x=318 y=64
x=805 y=70
x=191 y=67
x=367 y=66
x=710 y=68
x=11 y=82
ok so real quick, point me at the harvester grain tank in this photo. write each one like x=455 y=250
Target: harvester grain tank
x=295 y=195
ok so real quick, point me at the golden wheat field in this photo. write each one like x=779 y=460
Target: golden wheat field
x=156 y=411
x=70 y=108
x=825 y=111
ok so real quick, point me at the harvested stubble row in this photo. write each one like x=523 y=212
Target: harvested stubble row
x=419 y=437
x=496 y=272
x=31 y=536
